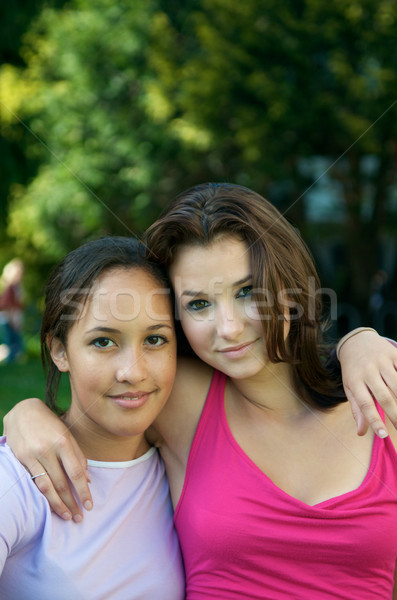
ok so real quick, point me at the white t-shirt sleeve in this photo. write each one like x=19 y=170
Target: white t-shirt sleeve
x=16 y=504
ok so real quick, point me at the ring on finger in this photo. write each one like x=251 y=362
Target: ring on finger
x=39 y=475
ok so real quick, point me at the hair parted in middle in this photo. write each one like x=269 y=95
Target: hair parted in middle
x=283 y=274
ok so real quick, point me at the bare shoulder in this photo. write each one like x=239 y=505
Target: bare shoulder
x=177 y=422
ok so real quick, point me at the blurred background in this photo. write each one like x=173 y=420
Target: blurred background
x=108 y=110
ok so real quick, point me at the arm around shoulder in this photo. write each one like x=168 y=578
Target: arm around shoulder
x=369 y=369
x=16 y=505
x=43 y=444
x=32 y=431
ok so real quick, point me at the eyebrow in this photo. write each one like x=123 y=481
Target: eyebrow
x=159 y=326
x=100 y=329
x=103 y=330
x=193 y=293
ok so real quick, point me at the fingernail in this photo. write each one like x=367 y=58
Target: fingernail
x=88 y=505
x=382 y=433
x=77 y=518
x=66 y=516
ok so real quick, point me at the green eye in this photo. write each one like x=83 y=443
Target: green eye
x=245 y=292
x=198 y=304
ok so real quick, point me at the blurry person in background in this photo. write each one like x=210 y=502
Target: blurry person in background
x=11 y=310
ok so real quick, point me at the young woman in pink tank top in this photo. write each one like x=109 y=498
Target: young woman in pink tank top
x=275 y=494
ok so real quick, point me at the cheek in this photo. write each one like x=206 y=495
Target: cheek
x=163 y=367
x=251 y=312
x=86 y=378
x=197 y=331
x=253 y=318
x=88 y=371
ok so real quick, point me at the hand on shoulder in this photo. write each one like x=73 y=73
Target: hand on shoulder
x=369 y=369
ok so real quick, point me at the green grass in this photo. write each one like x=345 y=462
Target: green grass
x=24 y=380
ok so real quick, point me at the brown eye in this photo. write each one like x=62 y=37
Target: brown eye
x=102 y=342
x=156 y=340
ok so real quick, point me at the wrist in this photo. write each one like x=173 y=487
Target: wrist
x=349 y=335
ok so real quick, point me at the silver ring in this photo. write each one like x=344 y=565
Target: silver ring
x=39 y=475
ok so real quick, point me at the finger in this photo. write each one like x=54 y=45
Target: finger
x=75 y=466
x=381 y=382
x=41 y=479
x=35 y=468
x=81 y=458
x=57 y=489
x=389 y=377
x=362 y=423
x=386 y=399
x=363 y=403
x=69 y=471
x=38 y=475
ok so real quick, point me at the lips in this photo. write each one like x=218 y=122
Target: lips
x=239 y=351
x=130 y=399
x=129 y=395
x=236 y=348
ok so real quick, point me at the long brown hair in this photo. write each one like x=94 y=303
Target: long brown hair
x=283 y=275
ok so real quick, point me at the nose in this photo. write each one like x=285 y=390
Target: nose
x=229 y=323
x=131 y=366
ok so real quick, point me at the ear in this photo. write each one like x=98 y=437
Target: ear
x=58 y=354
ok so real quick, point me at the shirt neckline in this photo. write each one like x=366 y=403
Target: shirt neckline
x=311 y=507
x=121 y=464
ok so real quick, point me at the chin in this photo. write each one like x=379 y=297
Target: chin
x=235 y=371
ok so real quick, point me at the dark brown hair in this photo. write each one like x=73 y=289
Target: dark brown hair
x=69 y=286
x=279 y=259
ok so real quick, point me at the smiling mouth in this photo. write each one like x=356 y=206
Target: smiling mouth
x=129 y=395
x=131 y=400
x=237 y=349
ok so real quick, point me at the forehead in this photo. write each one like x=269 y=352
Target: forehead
x=125 y=277
x=128 y=295
x=226 y=258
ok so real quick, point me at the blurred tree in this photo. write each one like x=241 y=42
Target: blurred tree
x=99 y=164
x=15 y=18
x=79 y=95
x=257 y=86
x=130 y=103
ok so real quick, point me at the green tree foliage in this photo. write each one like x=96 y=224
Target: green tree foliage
x=129 y=102
x=80 y=96
x=15 y=165
x=268 y=83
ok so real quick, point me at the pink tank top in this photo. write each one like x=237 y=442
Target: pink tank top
x=243 y=537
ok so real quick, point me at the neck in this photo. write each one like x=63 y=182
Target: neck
x=104 y=446
x=272 y=391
